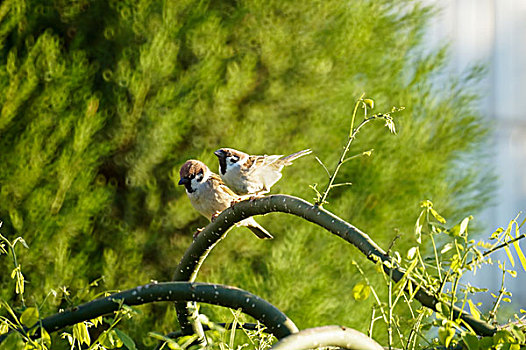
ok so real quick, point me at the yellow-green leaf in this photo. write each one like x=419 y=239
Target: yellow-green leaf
x=80 y=332
x=4 y=327
x=510 y=256
x=464 y=225
x=411 y=253
x=495 y=235
x=369 y=103
x=29 y=317
x=45 y=338
x=361 y=291
x=473 y=310
x=446 y=334
x=437 y=216
x=518 y=249
x=110 y=340
x=96 y=321
x=471 y=341
x=126 y=340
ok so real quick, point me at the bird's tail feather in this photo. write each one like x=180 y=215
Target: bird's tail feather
x=260 y=232
x=288 y=159
x=256 y=228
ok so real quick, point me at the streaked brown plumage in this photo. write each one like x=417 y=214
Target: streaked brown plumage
x=246 y=174
x=210 y=196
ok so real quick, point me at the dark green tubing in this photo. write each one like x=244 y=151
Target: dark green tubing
x=274 y=320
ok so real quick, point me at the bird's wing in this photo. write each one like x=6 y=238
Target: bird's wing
x=219 y=182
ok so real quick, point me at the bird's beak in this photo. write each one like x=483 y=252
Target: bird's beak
x=219 y=153
x=184 y=181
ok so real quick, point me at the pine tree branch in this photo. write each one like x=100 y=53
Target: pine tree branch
x=215 y=231
x=274 y=320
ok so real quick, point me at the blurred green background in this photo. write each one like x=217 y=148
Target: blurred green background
x=103 y=101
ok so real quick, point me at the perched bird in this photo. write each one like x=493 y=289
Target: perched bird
x=210 y=196
x=246 y=174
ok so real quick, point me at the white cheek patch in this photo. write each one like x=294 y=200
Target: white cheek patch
x=195 y=183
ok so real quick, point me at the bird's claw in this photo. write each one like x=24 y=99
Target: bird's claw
x=234 y=202
x=215 y=215
x=256 y=196
x=198 y=231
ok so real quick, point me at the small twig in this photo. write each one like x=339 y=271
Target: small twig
x=493 y=312
x=341 y=161
x=500 y=246
x=352 y=135
x=511 y=241
x=439 y=268
x=366 y=153
x=373 y=320
x=323 y=165
x=342 y=184
x=391 y=245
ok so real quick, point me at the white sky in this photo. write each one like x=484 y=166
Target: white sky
x=494 y=32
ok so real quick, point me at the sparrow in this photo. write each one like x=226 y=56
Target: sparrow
x=210 y=196
x=254 y=175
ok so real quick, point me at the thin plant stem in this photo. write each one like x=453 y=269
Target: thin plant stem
x=453 y=294
x=15 y=263
x=373 y=320
x=493 y=312
x=511 y=241
x=390 y=324
x=354 y=113
x=352 y=135
x=439 y=268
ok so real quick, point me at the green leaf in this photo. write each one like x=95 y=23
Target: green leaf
x=518 y=333
x=361 y=291
x=473 y=310
x=389 y=123
x=126 y=340
x=29 y=317
x=411 y=253
x=45 y=339
x=446 y=248
x=437 y=216
x=110 y=340
x=471 y=341
x=446 y=334
x=510 y=256
x=80 y=332
x=418 y=227
x=4 y=327
x=486 y=343
x=503 y=336
x=518 y=249
x=495 y=235
x=464 y=225
x=96 y=321
x=13 y=341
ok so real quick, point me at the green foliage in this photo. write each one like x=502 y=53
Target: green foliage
x=408 y=322
x=102 y=101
